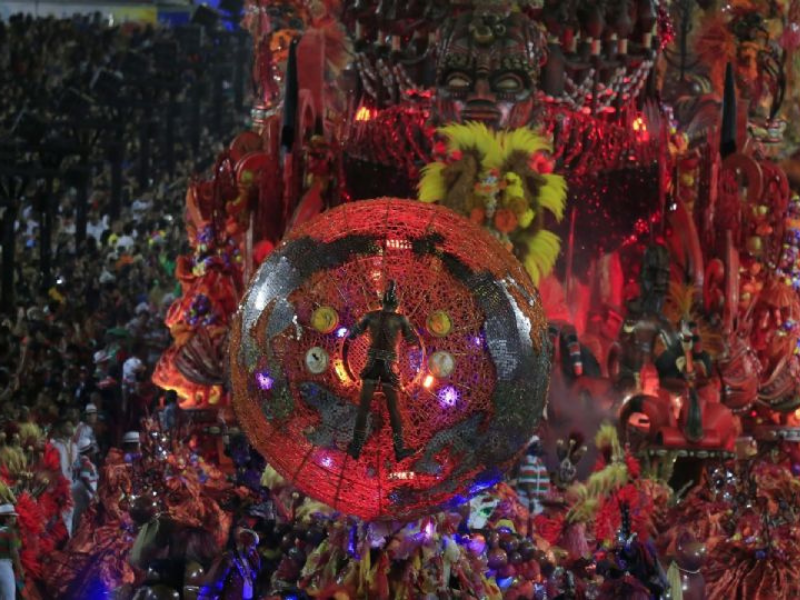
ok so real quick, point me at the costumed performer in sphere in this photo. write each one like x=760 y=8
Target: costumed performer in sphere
x=384 y=326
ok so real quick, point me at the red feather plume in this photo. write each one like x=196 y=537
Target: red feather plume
x=51 y=460
x=549 y=529
x=31 y=519
x=31 y=527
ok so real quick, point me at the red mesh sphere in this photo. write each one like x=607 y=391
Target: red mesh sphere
x=296 y=375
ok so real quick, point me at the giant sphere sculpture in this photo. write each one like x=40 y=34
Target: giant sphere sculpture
x=471 y=393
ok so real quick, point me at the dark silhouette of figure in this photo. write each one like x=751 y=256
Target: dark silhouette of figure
x=384 y=326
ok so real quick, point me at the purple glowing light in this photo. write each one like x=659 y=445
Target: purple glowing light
x=264 y=381
x=448 y=396
x=326 y=462
x=505 y=583
x=341 y=332
x=352 y=543
x=476 y=544
x=477 y=341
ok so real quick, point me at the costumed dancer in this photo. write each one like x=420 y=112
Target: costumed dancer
x=10 y=566
x=133 y=370
x=533 y=480
x=84 y=486
x=168 y=417
x=384 y=327
x=234 y=575
x=132 y=444
x=98 y=551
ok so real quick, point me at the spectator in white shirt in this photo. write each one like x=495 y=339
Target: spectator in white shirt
x=141 y=206
x=126 y=241
x=85 y=429
x=131 y=369
x=97 y=226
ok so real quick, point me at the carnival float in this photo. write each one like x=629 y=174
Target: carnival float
x=457 y=225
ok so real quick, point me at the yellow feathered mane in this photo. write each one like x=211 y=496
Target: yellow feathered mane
x=492 y=178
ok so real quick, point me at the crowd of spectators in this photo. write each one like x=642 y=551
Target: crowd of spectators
x=105 y=499
x=76 y=352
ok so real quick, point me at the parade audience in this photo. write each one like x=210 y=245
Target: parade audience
x=76 y=354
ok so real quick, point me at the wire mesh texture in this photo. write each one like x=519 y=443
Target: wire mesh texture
x=470 y=395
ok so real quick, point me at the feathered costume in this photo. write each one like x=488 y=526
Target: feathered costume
x=747 y=519
x=501 y=180
x=383 y=560
x=597 y=503
x=211 y=280
x=34 y=483
x=183 y=488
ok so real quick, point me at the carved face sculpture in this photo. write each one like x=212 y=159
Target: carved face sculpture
x=756 y=74
x=747 y=65
x=759 y=66
x=775 y=318
x=488 y=68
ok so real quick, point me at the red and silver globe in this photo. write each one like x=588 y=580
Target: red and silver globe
x=471 y=395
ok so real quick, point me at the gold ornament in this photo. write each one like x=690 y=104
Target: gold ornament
x=324 y=319
x=439 y=323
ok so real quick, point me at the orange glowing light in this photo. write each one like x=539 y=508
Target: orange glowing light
x=398 y=244
x=341 y=372
x=364 y=114
x=639 y=126
x=428 y=382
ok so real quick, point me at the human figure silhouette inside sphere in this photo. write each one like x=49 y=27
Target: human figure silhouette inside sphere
x=384 y=327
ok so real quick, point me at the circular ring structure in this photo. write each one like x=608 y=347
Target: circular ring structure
x=466 y=429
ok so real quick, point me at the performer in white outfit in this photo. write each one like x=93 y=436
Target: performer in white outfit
x=68 y=453
x=10 y=566
x=84 y=486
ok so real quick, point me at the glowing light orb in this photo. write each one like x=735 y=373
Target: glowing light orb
x=365 y=113
x=448 y=396
x=441 y=364
x=264 y=381
x=439 y=323
x=467 y=429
